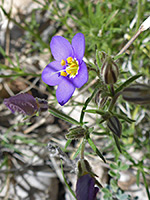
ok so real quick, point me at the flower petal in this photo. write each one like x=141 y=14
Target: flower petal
x=50 y=74
x=61 y=48
x=64 y=91
x=78 y=44
x=85 y=189
x=82 y=76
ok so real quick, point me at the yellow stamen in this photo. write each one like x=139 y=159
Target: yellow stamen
x=68 y=71
x=63 y=73
x=69 y=60
x=71 y=69
x=63 y=62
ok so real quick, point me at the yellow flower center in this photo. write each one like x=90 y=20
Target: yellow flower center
x=71 y=69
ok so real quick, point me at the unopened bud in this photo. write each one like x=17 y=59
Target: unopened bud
x=22 y=103
x=114 y=125
x=100 y=100
x=137 y=93
x=109 y=71
x=26 y=104
x=76 y=132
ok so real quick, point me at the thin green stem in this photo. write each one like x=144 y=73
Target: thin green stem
x=20 y=74
x=146 y=185
x=82 y=149
x=113 y=101
x=138 y=14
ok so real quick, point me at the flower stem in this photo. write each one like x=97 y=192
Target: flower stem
x=138 y=14
x=146 y=185
x=82 y=149
x=113 y=101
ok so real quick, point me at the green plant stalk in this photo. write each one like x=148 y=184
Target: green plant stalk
x=138 y=14
x=113 y=101
x=146 y=185
x=20 y=74
x=67 y=185
x=82 y=149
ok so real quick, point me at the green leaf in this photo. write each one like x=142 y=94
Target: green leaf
x=77 y=152
x=95 y=111
x=86 y=104
x=117 y=142
x=113 y=166
x=124 y=117
x=112 y=173
x=91 y=143
x=105 y=190
x=124 y=167
x=67 y=143
x=119 y=56
x=62 y=116
x=66 y=182
x=138 y=178
x=128 y=82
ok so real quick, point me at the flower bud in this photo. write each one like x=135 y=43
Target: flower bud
x=100 y=100
x=75 y=133
x=137 y=93
x=109 y=71
x=85 y=188
x=114 y=125
x=26 y=104
x=22 y=103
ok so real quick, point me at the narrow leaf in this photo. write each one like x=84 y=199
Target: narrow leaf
x=67 y=185
x=138 y=178
x=91 y=143
x=86 y=104
x=77 y=152
x=128 y=82
x=95 y=111
x=67 y=144
x=117 y=142
x=62 y=116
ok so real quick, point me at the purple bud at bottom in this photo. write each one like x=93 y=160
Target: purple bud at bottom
x=22 y=103
x=85 y=189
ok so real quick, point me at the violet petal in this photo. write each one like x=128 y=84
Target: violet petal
x=78 y=44
x=85 y=189
x=82 y=76
x=64 y=91
x=50 y=74
x=61 y=48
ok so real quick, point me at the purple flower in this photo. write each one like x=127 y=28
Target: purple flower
x=25 y=104
x=85 y=189
x=68 y=71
